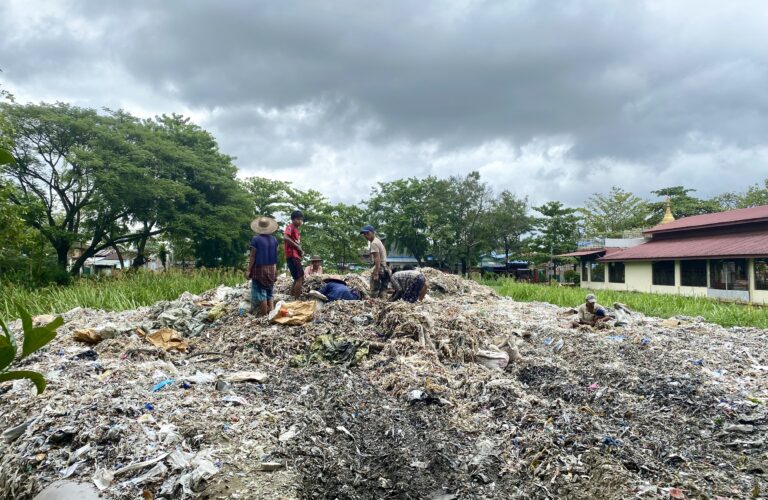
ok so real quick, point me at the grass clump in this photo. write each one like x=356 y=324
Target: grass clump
x=659 y=305
x=118 y=293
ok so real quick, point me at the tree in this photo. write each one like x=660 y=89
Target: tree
x=465 y=209
x=509 y=221
x=610 y=215
x=269 y=197
x=755 y=196
x=107 y=180
x=401 y=210
x=682 y=204
x=558 y=231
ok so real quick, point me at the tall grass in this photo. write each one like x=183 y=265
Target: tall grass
x=124 y=291
x=659 y=305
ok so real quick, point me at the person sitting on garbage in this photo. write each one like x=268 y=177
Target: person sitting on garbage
x=409 y=285
x=315 y=266
x=590 y=312
x=262 y=265
x=380 y=272
x=334 y=289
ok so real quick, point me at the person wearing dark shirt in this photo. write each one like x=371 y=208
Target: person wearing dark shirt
x=335 y=289
x=294 y=252
x=262 y=265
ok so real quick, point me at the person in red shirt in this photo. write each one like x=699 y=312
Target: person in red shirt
x=294 y=252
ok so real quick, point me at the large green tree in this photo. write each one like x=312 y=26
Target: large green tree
x=509 y=221
x=610 y=215
x=557 y=228
x=106 y=180
x=404 y=210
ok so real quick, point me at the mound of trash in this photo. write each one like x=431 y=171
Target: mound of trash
x=466 y=395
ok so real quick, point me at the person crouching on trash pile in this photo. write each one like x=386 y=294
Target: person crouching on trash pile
x=409 y=285
x=590 y=312
x=262 y=265
x=380 y=273
x=315 y=266
x=334 y=289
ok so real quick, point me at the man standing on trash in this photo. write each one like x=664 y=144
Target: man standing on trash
x=590 y=312
x=409 y=284
x=262 y=265
x=294 y=252
x=380 y=271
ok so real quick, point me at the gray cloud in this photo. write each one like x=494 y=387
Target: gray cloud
x=553 y=100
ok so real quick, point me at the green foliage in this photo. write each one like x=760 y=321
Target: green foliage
x=509 y=221
x=118 y=293
x=401 y=210
x=110 y=179
x=5 y=157
x=558 y=231
x=682 y=204
x=756 y=195
x=35 y=338
x=446 y=219
x=658 y=305
x=609 y=215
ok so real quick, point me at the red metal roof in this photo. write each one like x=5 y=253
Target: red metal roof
x=744 y=244
x=731 y=217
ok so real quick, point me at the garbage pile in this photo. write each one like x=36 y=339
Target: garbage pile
x=466 y=395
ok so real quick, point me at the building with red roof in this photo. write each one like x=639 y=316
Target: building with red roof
x=722 y=255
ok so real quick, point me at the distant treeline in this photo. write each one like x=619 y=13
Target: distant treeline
x=78 y=178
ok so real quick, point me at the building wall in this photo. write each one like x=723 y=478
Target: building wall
x=638 y=277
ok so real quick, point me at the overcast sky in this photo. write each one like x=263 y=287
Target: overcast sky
x=552 y=100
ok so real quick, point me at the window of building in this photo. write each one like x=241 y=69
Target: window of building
x=728 y=274
x=584 y=275
x=693 y=272
x=664 y=272
x=761 y=274
x=616 y=272
x=598 y=271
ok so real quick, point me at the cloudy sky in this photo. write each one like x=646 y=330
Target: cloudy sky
x=552 y=100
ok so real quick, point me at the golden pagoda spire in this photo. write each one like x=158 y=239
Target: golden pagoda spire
x=668 y=217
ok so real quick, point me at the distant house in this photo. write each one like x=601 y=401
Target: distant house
x=106 y=261
x=722 y=255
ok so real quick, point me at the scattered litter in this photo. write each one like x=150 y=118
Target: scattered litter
x=168 y=340
x=161 y=385
x=389 y=400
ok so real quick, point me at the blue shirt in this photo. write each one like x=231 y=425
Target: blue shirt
x=266 y=249
x=338 y=291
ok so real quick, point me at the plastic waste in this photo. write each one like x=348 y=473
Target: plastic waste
x=161 y=385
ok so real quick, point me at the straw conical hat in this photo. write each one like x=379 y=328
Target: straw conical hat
x=264 y=225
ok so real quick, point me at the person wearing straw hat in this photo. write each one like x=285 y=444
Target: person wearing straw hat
x=315 y=266
x=262 y=265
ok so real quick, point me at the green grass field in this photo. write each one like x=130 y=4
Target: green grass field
x=663 y=306
x=126 y=291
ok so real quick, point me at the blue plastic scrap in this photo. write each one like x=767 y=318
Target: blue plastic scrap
x=609 y=441
x=162 y=384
